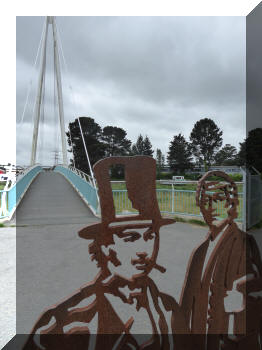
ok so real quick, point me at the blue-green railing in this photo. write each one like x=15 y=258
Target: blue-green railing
x=3 y=204
x=181 y=202
x=10 y=198
x=86 y=190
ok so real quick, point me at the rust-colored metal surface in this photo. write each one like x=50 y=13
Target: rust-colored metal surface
x=199 y=320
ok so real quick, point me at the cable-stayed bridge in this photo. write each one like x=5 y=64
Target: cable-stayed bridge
x=39 y=172
x=42 y=192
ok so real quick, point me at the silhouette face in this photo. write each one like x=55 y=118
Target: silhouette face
x=216 y=198
x=136 y=249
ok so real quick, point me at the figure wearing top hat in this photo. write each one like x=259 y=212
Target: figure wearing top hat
x=142 y=228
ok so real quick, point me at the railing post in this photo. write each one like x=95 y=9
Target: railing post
x=4 y=203
x=173 y=199
x=244 y=200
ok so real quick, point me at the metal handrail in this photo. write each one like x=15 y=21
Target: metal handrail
x=171 y=201
x=15 y=188
x=83 y=183
x=83 y=175
x=23 y=172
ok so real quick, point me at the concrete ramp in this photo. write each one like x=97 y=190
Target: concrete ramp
x=51 y=200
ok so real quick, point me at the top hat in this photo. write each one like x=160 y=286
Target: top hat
x=140 y=177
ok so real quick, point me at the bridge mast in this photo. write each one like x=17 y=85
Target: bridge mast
x=59 y=90
x=39 y=97
x=49 y=20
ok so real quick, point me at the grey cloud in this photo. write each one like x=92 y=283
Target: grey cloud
x=149 y=75
x=162 y=58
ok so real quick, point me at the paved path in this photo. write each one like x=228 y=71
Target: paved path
x=53 y=262
x=7 y=284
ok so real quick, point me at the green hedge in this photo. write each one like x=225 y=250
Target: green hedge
x=193 y=177
x=164 y=176
x=234 y=177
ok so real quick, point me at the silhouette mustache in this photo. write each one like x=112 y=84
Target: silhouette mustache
x=144 y=262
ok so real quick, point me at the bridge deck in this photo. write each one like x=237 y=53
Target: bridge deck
x=52 y=200
x=49 y=251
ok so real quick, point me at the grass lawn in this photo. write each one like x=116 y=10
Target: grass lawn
x=2 y=185
x=184 y=187
x=189 y=187
x=181 y=203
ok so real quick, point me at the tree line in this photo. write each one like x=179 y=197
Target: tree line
x=204 y=147
x=102 y=142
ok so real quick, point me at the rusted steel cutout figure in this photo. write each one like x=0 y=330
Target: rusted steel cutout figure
x=199 y=320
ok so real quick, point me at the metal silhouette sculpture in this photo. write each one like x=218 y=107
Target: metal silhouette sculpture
x=198 y=320
x=234 y=256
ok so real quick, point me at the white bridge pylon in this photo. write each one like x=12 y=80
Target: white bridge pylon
x=50 y=20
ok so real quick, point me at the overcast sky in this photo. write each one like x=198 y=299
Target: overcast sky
x=151 y=75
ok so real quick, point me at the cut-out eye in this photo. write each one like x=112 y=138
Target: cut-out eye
x=149 y=234
x=129 y=236
x=219 y=196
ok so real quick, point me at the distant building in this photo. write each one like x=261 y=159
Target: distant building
x=200 y=169
x=165 y=169
x=228 y=169
x=14 y=169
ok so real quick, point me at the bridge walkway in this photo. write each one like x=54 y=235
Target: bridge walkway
x=51 y=200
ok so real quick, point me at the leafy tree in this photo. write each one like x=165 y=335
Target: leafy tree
x=138 y=147
x=160 y=161
x=254 y=149
x=179 y=155
x=148 y=151
x=241 y=156
x=142 y=146
x=92 y=133
x=115 y=141
x=116 y=144
x=206 y=139
x=251 y=150
x=226 y=156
